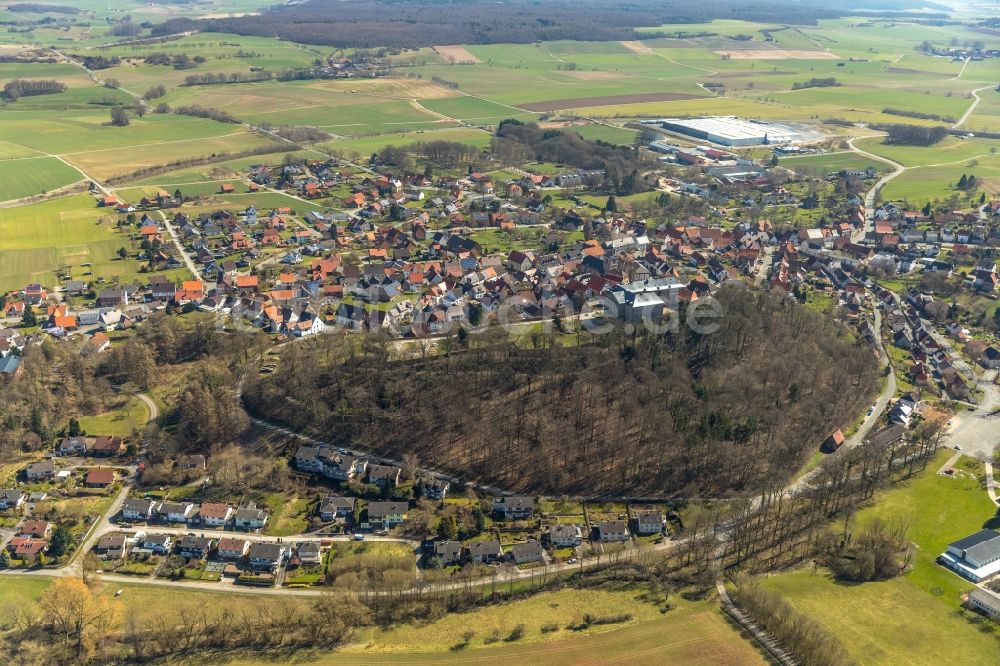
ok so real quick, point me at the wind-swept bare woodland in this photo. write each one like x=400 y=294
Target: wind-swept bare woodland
x=638 y=415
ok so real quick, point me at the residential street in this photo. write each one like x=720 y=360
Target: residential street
x=888 y=392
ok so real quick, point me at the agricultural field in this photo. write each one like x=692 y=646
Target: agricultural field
x=692 y=631
x=214 y=172
x=367 y=146
x=28 y=176
x=126 y=162
x=365 y=106
x=39 y=239
x=71 y=75
x=61 y=133
x=919 y=185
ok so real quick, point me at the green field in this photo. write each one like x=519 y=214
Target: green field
x=819 y=165
x=691 y=633
x=117 y=162
x=869 y=621
x=475 y=111
x=120 y=422
x=933 y=171
x=341 y=107
x=367 y=146
x=84 y=131
x=937 y=510
x=27 y=177
x=595 y=132
x=949 y=151
x=66 y=232
x=216 y=171
x=920 y=185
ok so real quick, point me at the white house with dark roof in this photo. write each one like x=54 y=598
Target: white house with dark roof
x=612 y=530
x=976 y=557
x=387 y=514
x=514 y=507
x=564 y=535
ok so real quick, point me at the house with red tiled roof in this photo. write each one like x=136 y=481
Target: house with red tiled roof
x=67 y=322
x=26 y=548
x=36 y=528
x=356 y=200
x=215 y=513
x=100 y=477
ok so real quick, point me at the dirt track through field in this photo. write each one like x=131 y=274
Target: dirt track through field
x=456 y=53
x=638 y=47
x=778 y=54
x=610 y=100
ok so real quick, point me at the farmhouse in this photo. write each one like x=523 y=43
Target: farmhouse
x=36 y=528
x=384 y=476
x=435 y=489
x=71 y=446
x=40 y=471
x=26 y=548
x=648 y=522
x=106 y=446
x=195 y=547
x=112 y=546
x=161 y=544
x=334 y=508
x=175 y=512
x=215 y=513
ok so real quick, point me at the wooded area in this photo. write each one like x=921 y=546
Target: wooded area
x=666 y=415
x=416 y=23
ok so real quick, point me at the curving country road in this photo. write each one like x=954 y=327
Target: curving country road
x=154 y=411
x=898 y=169
x=972 y=107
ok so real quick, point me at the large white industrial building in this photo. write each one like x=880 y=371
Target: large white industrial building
x=732 y=131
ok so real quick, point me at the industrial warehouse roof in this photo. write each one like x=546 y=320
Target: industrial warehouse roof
x=729 y=129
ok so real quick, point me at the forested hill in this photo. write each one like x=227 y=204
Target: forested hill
x=417 y=23
x=683 y=415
